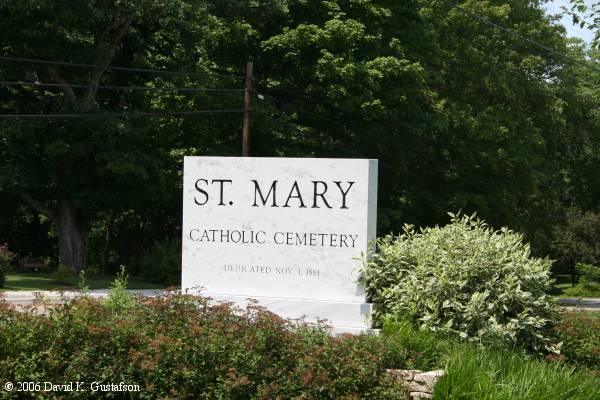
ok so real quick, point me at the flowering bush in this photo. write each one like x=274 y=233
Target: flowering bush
x=580 y=333
x=465 y=279
x=181 y=347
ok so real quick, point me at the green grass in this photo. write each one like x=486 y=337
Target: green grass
x=583 y=290
x=45 y=281
x=562 y=288
x=474 y=373
x=497 y=373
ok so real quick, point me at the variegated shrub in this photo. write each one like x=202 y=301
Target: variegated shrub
x=464 y=278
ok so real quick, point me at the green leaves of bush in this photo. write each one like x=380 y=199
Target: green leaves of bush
x=161 y=262
x=6 y=257
x=185 y=347
x=580 y=333
x=464 y=278
x=589 y=282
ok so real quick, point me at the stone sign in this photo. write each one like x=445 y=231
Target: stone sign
x=287 y=232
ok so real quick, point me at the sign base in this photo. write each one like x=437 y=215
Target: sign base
x=342 y=317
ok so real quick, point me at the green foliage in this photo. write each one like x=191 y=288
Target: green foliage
x=465 y=279
x=36 y=281
x=576 y=240
x=591 y=289
x=586 y=14
x=6 y=258
x=118 y=298
x=588 y=273
x=500 y=374
x=413 y=348
x=490 y=373
x=161 y=263
x=579 y=331
x=92 y=270
x=589 y=282
x=464 y=115
x=84 y=288
x=62 y=274
x=182 y=347
x=130 y=159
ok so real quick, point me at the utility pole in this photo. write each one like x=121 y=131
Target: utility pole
x=247 y=98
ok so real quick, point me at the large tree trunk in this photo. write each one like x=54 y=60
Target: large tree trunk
x=72 y=238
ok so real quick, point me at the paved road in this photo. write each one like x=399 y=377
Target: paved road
x=52 y=297
x=23 y=298
x=587 y=303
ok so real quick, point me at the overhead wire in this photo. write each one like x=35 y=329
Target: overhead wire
x=143 y=88
x=117 y=68
x=112 y=87
x=520 y=36
x=462 y=10
x=125 y=114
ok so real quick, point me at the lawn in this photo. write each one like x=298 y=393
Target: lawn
x=562 y=288
x=45 y=281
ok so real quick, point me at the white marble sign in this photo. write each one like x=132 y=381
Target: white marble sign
x=288 y=232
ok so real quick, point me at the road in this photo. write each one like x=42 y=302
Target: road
x=585 y=303
x=24 y=298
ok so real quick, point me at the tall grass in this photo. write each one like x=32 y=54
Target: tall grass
x=411 y=348
x=492 y=373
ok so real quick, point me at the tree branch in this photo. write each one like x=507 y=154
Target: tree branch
x=121 y=25
x=36 y=205
x=67 y=91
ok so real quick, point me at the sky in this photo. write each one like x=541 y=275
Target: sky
x=554 y=7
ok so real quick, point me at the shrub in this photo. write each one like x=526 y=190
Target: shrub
x=182 y=347
x=161 y=263
x=93 y=270
x=580 y=333
x=576 y=240
x=588 y=273
x=492 y=373
x=465 y=279
x=62 y=274
x=589 y=282
x=118 y=298
x=6 y=258
x=583 y=290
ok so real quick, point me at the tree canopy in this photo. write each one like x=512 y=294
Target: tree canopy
x=461 y=112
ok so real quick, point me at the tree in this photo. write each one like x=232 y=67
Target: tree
x=69 y=169
x=461 y=114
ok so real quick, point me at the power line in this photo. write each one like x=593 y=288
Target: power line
x=521 y=36
x=114 y=68
x=121 y=115
x=144 y=88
